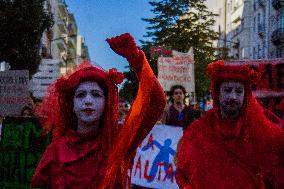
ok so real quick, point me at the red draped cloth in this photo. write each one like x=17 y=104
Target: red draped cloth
x=79 y=161
x=71 y=162
x=219 y=154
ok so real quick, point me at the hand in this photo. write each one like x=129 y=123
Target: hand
x=124 y=45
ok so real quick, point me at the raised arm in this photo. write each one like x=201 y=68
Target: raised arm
x=145 y=110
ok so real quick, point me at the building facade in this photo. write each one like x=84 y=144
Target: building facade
x=63 y=41
x=62 y=47
x=249 y=29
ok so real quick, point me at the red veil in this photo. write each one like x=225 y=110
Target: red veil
x=218 y=153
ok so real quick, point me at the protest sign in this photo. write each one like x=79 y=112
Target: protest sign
x=154 y=165
x=270 y=90
x=177 y=70
x=21 y=147
x=14 y=94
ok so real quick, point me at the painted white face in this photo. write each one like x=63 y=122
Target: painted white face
x=231 y=98
x=89 y=102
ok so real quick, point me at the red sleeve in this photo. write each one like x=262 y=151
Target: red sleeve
x=144 y=113
x=41 y=177
x=148 y=104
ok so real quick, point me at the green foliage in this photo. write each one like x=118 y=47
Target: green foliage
x=180 y=25
x=130 y=86
x=22 y=24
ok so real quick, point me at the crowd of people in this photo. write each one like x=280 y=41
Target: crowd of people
x=232 y=143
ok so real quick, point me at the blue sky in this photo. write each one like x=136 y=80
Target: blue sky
x=100 y=19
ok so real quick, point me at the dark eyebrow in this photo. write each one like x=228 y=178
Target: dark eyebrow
x=97 y=91
x=79 y=91
x=227 y=87
x=240 y=88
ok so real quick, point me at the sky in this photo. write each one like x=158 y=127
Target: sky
x=101 y=19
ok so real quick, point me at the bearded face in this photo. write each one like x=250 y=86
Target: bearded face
x=231 y=99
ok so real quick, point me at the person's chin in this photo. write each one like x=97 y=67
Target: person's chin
x=89 y=121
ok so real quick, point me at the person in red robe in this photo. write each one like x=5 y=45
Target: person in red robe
x=88 y=149
x=234 y=145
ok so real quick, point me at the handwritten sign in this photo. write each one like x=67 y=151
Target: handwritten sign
x=177 y=70
x=14 y=94
x=154 y=165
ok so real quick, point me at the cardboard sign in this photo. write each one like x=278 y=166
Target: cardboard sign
x=177 y=70
x=154 y=165
x=21 y=148
x=14 y=94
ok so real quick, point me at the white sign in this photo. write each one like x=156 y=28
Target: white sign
x=177 y=70
x=14 y=93
x=48 y=72
x=154 y=165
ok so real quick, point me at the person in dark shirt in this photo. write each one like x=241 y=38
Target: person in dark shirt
x=179 y=114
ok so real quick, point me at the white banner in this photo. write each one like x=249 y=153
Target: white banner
x=154 y=165
x=177 y=70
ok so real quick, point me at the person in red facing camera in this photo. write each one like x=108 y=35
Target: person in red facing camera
x=89 y=150
x=234 y=145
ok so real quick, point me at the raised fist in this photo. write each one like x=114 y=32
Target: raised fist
x=124 y=45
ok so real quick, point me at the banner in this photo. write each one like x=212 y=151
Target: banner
x=154 y=165
x=272 y=78
x=14 y=94
x=21 y=148
x=177 y=70
x=270 y=90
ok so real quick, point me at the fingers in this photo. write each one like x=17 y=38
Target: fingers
x=121 y=40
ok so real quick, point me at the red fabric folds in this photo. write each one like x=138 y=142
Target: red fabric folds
x=97 y=160
x=220 y=154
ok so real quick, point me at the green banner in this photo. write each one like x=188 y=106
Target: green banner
x=21 y=148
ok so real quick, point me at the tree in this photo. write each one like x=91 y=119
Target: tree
x=130 y=86
x=22 y=24
x=180 y=25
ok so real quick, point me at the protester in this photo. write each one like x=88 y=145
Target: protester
x=89 y=150
x=27 y=112
x=179 y=114
x=234 y=145
x=123 y=110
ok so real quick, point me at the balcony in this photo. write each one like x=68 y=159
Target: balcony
x=261 y=29
x=62 y=30
x=62 y=9
x=278 y=4
x=277 y=36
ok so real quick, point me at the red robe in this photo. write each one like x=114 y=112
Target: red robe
x=78 y=161
x=217 y=154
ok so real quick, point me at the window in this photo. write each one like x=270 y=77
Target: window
x=242 y=53
x=263 y=50
x=281 y=20
x=254 y=24
x=280 y=52
x=258 y=51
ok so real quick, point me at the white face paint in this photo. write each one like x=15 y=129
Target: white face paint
x=89 y=102
x=231 y=98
